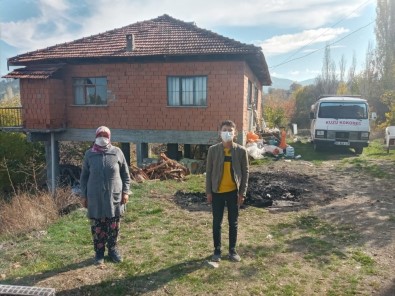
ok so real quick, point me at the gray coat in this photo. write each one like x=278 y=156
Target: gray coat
x=104 y=177
x=215 y=167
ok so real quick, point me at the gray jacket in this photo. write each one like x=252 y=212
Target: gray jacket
x=104 y=177
x=215 y=167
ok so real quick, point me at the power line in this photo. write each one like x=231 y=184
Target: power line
x=330 y=44
x=288 y=59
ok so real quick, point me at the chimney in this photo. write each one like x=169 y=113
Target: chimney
x=129 y=42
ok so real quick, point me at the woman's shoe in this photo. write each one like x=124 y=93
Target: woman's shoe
x=99 y=257
x=115 y=256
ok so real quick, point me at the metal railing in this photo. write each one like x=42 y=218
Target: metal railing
x=11 y=117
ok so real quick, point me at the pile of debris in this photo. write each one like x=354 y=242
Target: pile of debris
x=271 y=143
x=164 y=169
x=286 y=189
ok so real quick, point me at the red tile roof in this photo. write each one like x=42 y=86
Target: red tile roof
x=40 y=71
x=162 y=36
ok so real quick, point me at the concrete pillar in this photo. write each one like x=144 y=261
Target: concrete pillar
x=48 y=158
x=172 y=151
x=125 y=147
x=141 y=152
x=187 y=150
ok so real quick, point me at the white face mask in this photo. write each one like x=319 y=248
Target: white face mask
x=227 y=136
x=102 y=141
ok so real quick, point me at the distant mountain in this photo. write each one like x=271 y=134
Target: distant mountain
x=283 y=83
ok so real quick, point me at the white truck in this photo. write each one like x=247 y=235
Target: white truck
x=340 y=121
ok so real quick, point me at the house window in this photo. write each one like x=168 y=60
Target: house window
x=90 y=91
x=187 y=91
x=249 y=94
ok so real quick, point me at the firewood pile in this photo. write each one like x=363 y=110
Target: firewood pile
x=164 y=169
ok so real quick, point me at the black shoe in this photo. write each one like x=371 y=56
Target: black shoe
x=99 y=257
x=216 y=258
x=233 y=256
x=115 y=256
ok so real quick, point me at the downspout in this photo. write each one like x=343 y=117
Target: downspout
x=53 y=164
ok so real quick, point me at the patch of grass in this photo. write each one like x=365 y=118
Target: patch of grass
x=366 y=166
x=376 y=150
x=366 y=262
x=263 y=161
x=165 y=249
x=306 y=150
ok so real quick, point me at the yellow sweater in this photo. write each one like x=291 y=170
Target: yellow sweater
x=227 y=182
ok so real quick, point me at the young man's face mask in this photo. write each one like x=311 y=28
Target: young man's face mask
x=227 y=136
x=102 y=141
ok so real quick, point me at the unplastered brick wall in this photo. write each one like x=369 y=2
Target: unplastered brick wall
x=35 y=102
x=43 y=103
x=137 y=96
x=57 y=104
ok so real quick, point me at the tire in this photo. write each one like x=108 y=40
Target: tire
x=317 y=147
x=358 y=150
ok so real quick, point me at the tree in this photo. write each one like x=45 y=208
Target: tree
x=304 y=98
x=279 y=107
x=385 y=56
x=351 y=83
x=342 y=68
x=368 y=84
x=327 y=81
x=385 y=39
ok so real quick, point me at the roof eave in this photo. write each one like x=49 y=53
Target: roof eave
x=256 y=60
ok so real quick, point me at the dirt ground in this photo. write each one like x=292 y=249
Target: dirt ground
x=335 y=192
x=342 y=193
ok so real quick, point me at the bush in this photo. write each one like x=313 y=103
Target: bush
x=26 y=212
x=20 y=161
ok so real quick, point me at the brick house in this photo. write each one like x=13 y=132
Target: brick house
x=156 y=81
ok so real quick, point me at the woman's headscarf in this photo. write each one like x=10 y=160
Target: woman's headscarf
x=107 y=134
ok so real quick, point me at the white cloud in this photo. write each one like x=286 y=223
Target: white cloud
x=96 y=16
x=291 y=42
x=29 y=34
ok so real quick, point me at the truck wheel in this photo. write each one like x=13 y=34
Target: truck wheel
x=358 y=150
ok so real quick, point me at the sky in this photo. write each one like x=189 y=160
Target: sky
x=293 y=34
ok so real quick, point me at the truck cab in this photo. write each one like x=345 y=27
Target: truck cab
x=340 y=121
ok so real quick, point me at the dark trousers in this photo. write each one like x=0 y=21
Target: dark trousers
x=105 y=231
x=219 y=201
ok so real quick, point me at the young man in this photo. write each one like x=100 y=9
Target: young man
x=226 y=184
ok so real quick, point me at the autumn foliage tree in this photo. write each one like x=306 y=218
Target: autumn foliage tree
x=278 y=108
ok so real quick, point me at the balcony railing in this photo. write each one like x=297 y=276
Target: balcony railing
x=11 y=117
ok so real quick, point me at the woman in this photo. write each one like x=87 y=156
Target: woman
x=226 y=184
x=105 y=185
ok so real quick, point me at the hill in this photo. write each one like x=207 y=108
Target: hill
x=283 y=83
